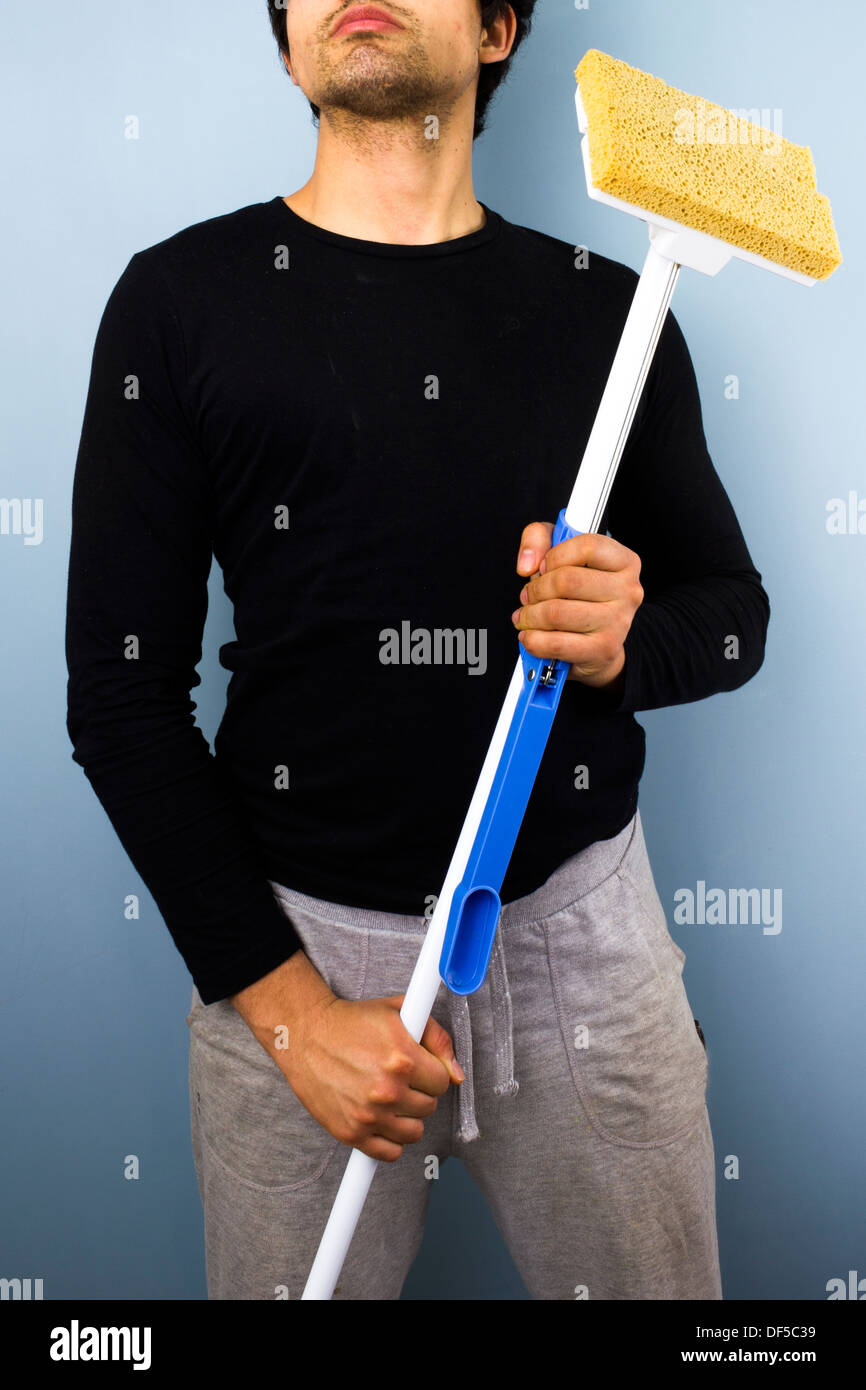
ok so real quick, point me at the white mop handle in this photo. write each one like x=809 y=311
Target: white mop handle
x=585 y=508
x=622 y=392
x=415 y=1011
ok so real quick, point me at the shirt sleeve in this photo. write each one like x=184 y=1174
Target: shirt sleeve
x=701 y=589
x=140 y=555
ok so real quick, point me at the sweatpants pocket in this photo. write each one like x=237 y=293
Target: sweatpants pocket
x=635 y=1057
x=246 y=1116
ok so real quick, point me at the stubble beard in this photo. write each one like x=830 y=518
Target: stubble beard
x=376 y=85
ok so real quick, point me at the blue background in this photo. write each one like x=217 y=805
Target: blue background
x=762 y=787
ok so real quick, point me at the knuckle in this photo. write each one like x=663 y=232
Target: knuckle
x=553 y=581
x=563 y=580
x=385 y=1093
x=399 y=1063
x=573 y=582
x=557 y=611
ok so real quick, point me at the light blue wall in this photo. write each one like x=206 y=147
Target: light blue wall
x=759 y=788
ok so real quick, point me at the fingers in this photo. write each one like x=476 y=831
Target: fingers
x=400 y=1127
x=406 y=1092
x=590 y=655
x=407 y=1095
x=572 y=582
x=580 y=605
x=534 y=545
x=589 y=548
x=437 y=1041
x=435 y=1064
x=593 y=549
x=380 y=1149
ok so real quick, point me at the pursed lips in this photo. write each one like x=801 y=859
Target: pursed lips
x=365 y=17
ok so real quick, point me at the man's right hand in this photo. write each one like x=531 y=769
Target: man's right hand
x=352 y=1064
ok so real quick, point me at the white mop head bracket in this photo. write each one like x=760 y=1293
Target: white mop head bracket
x=675 y=240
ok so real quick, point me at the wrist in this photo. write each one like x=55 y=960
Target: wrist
x=284 y=996
x=611 y=680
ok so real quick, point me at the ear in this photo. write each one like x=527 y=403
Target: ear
x=289 y=68
x=503 y=30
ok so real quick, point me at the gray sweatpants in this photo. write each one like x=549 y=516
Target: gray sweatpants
x=582 y=1119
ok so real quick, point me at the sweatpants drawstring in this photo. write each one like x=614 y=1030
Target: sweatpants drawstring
x=503 y=1042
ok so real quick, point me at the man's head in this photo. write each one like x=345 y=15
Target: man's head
x=420 y=64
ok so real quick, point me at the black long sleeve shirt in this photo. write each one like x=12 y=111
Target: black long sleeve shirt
x=358 y=432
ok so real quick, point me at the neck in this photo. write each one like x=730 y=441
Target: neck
x=390 y=182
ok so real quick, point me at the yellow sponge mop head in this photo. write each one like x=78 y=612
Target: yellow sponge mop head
x=705 y=167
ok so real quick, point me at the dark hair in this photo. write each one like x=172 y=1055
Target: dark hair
x=490 y=75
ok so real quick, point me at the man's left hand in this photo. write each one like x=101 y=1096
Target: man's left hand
x=580 y=603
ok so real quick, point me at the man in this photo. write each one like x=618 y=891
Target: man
x=365 y=399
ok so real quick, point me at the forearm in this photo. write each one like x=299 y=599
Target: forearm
x=693 y=640
x=281 y=999
x=179 y=822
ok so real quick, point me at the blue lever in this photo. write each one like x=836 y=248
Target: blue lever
x=475 y=906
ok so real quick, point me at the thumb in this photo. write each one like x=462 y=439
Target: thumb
x=534 y=545
x=438 y=1041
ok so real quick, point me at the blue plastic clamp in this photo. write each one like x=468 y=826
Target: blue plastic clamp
x=475 y=906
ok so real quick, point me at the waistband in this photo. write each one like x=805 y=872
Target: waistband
x=575 y=877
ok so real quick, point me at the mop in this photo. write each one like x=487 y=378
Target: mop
x=711 y=185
